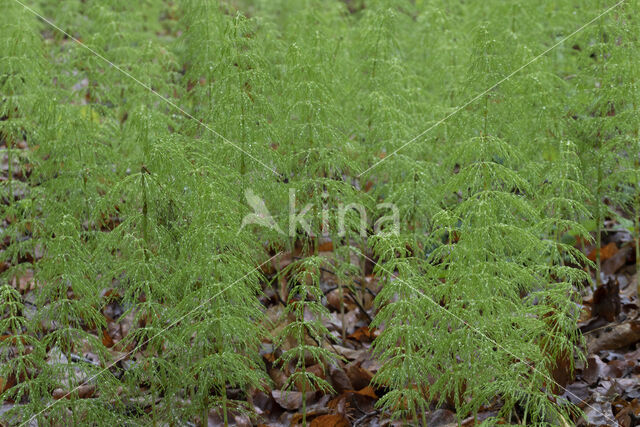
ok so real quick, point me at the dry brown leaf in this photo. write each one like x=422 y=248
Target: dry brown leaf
x=325 y=247
x=351 y=354
x=4 y=266
x=359 y=377
x=339 y=379
x=617 y=260
x=606 y=301
x=593 y=370
x=7 y=383
x=619 y=336
x=290 y=400
x=317 y=370
x=606 y=252
x=333 y=300
x=628 y=412
x=86 y=391
x=107 y=341
x=23 y=283
x=364 y=334
x=58 y=393
x=366 y=391
x=330 y=420
x=561 y=373
x=278 y=377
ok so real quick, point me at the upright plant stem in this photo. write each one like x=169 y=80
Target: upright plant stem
x=9 y=170
x=145 y=212
x=599 y=176
x=342 y=318
x=598 y=218
x=637 y=233
x=304 y=378
x=225 y=416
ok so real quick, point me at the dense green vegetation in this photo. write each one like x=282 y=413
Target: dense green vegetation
x=127 y=182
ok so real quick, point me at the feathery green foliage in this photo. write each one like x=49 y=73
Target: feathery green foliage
x=131 y=282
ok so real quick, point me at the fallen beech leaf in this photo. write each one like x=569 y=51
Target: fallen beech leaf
x=86 y=391
x=325 y=247
x=330 y=420
x=339 y=379
x=561 y=372
x=599 y=413
x=278 y=377
x=317 y=370
x=619 y=336
x=290 y=400
x=606 y=252
x=606 y=301
x=577 y=393
x=359 y=377
x=23 y=283
x=366 y=391
x=333 y=300
x=349 y=353
x=107 y=341
x=340 y=404
x=296 y=419
x=617 y=260
x=619 y=368
x=593 y=370
x=363 y=334
x=627 y=411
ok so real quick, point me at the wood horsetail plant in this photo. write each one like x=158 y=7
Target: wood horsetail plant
x=156 y=154
x=303 y=340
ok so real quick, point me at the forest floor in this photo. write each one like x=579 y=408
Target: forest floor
x=606 y=386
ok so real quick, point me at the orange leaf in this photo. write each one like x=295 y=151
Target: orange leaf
x=330 y=420
x=325 y=247
x=363 y=334
x=107 y=341
x=367 y=391
x=606 y=252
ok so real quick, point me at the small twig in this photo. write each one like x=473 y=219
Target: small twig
x=361 y=308
x=364 y=417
